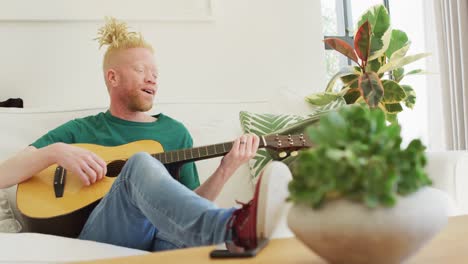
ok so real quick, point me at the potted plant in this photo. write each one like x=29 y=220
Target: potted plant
x=358 y=196
x=380 y=54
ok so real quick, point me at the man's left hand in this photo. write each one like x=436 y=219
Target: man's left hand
x=243 y=149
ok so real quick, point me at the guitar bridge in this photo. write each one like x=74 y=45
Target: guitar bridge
x=59 y=181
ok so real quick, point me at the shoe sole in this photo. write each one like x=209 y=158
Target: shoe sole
x=272 y=197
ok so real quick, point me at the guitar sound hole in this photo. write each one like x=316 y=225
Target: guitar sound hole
x=114 y=168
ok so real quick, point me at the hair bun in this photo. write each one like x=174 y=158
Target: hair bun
x=115 y=33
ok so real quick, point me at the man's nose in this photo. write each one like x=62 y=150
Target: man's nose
x=150 y=79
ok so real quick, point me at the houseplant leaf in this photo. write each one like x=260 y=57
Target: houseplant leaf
x=374 y=65
x=398 y=40
x=343 y=72
x=393 y=108
x=379 y=45
x=362 y=41
x=350 y=80
x=398 y=74
x=321 y=99
x=393 y=64
x=342 y=47
x=352 y=95
x=410 y=99
x=414 y=72
x=394 y=93
x=381 y=32
x=371 y=87
x=378 y=18
x=400 y=53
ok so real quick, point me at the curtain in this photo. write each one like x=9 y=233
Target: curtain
x=451 y=31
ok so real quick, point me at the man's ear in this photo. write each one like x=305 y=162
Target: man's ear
x=112 y=77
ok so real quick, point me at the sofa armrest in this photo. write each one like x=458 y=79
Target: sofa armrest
x=448 y=170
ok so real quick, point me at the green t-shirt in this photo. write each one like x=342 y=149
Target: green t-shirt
x=107 y=130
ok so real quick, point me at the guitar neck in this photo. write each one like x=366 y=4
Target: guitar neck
x=198 y=153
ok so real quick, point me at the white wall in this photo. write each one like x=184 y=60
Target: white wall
x=254 y=55
x=245 y=51
x=409 y=17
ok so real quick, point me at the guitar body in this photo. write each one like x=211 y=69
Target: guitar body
x=37 y=202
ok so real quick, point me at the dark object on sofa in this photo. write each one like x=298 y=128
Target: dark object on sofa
x=12 y=102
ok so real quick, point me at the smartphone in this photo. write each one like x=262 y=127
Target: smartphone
x=224 y=253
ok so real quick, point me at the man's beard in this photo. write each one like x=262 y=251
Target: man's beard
x=137 y=104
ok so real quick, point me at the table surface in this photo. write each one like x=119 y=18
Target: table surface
x=449 y=246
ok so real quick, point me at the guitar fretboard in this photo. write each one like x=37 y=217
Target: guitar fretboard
x=194 y=154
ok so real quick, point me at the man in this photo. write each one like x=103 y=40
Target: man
x=145 y=208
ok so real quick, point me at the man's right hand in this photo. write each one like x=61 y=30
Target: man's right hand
x=84 y=163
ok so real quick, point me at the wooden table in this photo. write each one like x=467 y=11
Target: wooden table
x=449 y=246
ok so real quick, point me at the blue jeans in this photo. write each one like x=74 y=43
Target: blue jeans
x=147 y=209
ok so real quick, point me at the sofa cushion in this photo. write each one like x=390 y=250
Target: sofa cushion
x=270 y=124
x=264 y=124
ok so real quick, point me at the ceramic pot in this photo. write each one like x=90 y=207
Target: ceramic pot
x=348 y=232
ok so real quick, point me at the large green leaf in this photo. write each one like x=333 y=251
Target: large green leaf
x=321 y=99
x=381 y=32
x=362 y=41
x=378 y=18
x=372 y=88
x=374 y=65
x=352 y=95
x=398 y=40
x=394 y=93
x=397 y=63
x=411 y=96
x=342 y=47
x=351 y=80
x=393 y=108
x=379 y=45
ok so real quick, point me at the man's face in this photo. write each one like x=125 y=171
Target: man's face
x=136 y=77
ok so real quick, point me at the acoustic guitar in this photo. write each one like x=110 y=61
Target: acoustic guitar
x=56 y=202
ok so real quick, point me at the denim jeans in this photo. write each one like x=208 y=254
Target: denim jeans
x=147 y=209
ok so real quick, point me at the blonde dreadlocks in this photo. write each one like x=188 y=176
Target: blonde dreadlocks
x=115 y=34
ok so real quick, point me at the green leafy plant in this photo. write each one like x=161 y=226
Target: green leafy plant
x=380 y=54
x=358 y=157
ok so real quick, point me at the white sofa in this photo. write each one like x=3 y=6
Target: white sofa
x=209 y=124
